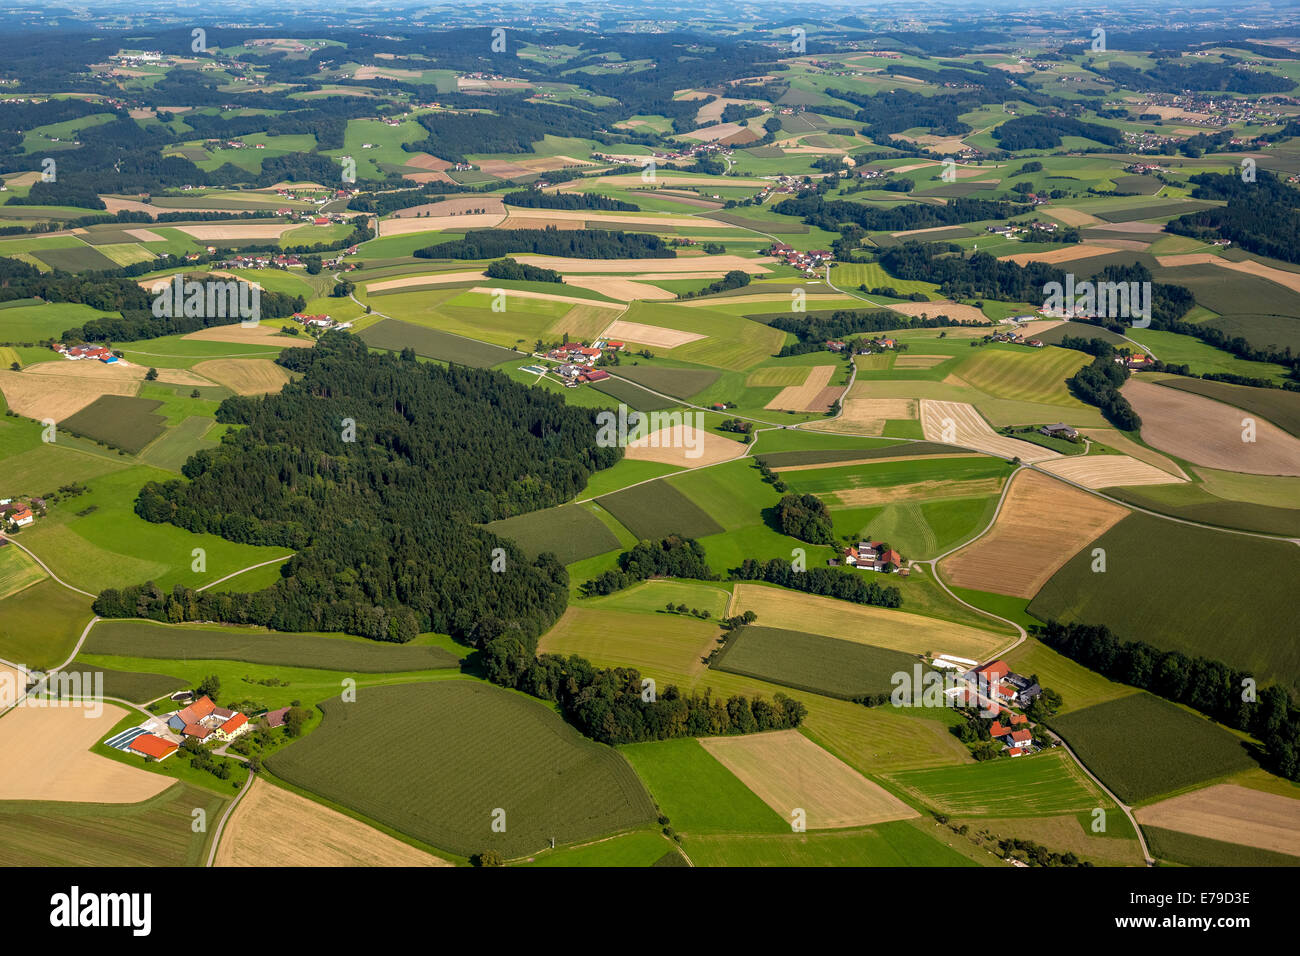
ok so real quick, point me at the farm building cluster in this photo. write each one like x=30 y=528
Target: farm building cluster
x=1015 y=338
x=19 y=514
x=807 y=262
x=875 y=556
x=319 y=321
x=95 y=353
x=577 y=361
x=863 y=346
x=202 y=720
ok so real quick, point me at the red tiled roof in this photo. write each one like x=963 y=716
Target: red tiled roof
x=197 y=711
x=997 y=730
x=1021 y=736
x=1018 y=719
x=994 y=671
x=233 y=724
x=197 y=730
x=275 y=718
x=1015 y=751
x=152 y=745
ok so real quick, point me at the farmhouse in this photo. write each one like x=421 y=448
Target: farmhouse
x=1059 y=430
x=204 y=719
x=873 y=556
x=17 y=514
x=1001 y=684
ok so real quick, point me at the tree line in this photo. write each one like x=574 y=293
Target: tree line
x=575 y=243
x=1228 y=695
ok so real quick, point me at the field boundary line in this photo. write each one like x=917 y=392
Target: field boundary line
x=235 y=574
x=46 y=567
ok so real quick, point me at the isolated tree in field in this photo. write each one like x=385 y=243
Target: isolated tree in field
x=210 y=686
x=151 y=375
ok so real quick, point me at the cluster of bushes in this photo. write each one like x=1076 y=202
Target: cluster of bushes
x=735 y=279
x=611 y=704
x=536 y=199
x=1207 y=685
x=829 y=582
x=805 y=517
x=673 y=556
x=508 y=268
x=574 y=243
x=1098 y=384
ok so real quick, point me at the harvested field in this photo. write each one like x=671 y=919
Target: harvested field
x=245 y=376
x=58 y=396
x=230 y=230
x=788 y=771
x=1107 y=471
x=427 y=161
x=1071 y=217
x=1067 y=253
x=917 y=491
x=1116 y=439
x=517 y=222
x=1206 y=432
x=453 y=207
x=861 y=623
x=907 y=360
x=402 y=227
x=52 y=746
x=1233 y=814
x=959 y=423
x=867 y=416
x=502 y=169
x=272 y=827
x=432 y=278
x=582 y=322
x=98 y=371
x=617 y=288
x=1289 y=280
x=673 y=268
x=954 y=310
x=625 y=331
x=145 y=235
x=806 y=397
x=1043 y=523
x=238 y=334
x=685 y=446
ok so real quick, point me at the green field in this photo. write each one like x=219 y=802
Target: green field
x=570 y=532
x=431 y=343
x=888 y=844
x=134 y=686
x=1186 y=849
x=1043 y=783
x=156 y=832
x=697 y=793
x=40 y=624
x=119 y=420
x=1152 y=592
x=1141 y=746
x=812 y=662
x=435 y=760
x=656 y=509
x=1022 y=374
x=679 y=382
x=17 y=571
x=639 y=848
x=147 y=639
